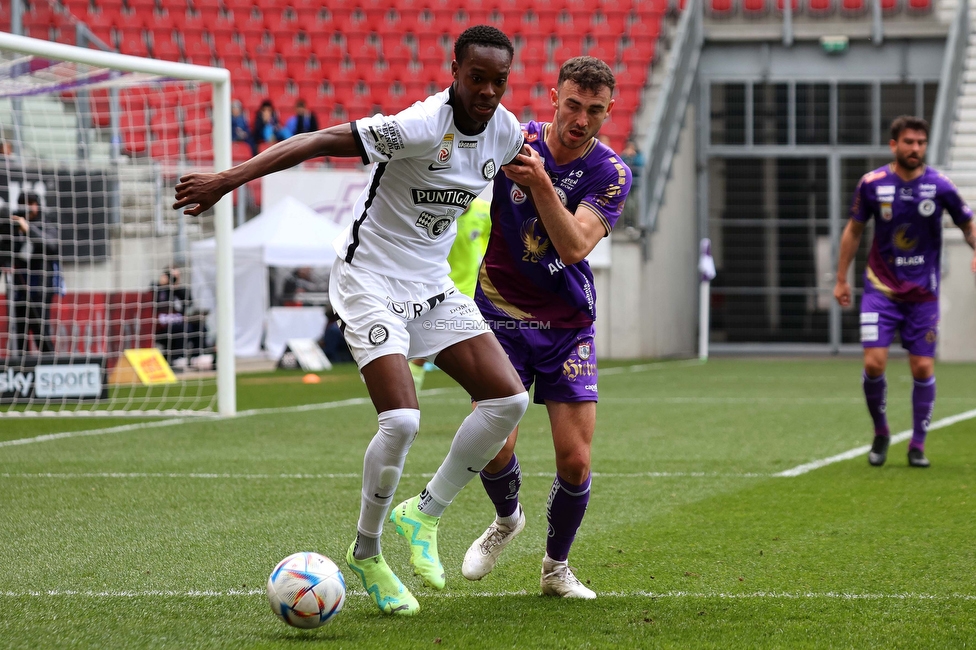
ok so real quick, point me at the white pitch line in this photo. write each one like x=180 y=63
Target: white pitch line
x=641 y=367
x=94 y=432
x=355 y=401
x=237 y=593
x=350 y=475
x=860 y=451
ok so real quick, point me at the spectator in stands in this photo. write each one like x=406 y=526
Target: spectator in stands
x=35 y=249
x=303 y=121
x=239 y=128
x=333 y=343
x=634 y=159
x=180 y=330
x=301 y=281
x=6 y=149
x=267 y=127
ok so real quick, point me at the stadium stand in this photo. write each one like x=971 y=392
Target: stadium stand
x=269 y=48
x=356 y=56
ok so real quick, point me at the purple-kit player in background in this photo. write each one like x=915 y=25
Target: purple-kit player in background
x=906 y=199
x=536 y=292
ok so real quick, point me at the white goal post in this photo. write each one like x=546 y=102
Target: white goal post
x=49 y=95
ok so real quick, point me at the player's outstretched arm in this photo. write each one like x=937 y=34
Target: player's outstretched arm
x=203 y=190
x=849 y=243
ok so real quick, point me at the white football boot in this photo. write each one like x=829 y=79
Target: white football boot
x=558 y=580
x=483 y=554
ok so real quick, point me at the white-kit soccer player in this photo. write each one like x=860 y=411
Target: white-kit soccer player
x=391 y=290
x=906 y=199
x=536 y=291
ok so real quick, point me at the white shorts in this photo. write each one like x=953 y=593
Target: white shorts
x=380 y=315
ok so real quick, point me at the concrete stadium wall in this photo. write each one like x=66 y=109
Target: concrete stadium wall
x=649 y=308
x=957 y=327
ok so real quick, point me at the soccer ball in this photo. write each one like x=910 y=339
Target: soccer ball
x=306 y=590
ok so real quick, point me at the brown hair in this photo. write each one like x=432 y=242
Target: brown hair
x=588 y=72
x=903 y=122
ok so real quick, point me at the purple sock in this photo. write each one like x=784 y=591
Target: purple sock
x=503 y=487
x=923 y=401
x=876 y=394
x=565 y=510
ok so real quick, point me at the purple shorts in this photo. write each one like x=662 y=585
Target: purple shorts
x=561 y=362
x=881 y=317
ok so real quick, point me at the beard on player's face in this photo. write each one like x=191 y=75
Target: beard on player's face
x=910 y=160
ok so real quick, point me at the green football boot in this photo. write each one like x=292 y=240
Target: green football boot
x=381 y=583
x=421 y=531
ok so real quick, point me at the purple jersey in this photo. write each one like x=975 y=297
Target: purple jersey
x=522 y=277
x=903 y=263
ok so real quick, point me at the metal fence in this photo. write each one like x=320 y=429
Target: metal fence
x=782 y=161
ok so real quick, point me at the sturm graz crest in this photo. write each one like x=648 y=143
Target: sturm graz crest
x=378 y=334
x=488 y=171
x=435 y=224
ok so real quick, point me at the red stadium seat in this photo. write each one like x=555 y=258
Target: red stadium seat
x=853 y=7
x=164 y=48
x=241 y=8
x=240 y=151
x=890 y=6
x=720 y=8
x=326 y=50
x=196 y=46
x=40 y=15
x=820 y=7
x=754 y=8
x=635 y=74
x=795 y=5
x=134 y=141
x=130 y=22
x=134 y=44
x=141 y=6
x=99 y=20
x=919 y=6
x=100 y=108
x=199 y=148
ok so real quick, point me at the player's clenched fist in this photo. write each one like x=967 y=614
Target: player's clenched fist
x=842 y=292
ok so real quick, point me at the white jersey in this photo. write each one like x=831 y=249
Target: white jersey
x=426 y=173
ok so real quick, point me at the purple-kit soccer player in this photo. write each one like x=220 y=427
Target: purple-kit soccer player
x=906 y=199
x=536 y=292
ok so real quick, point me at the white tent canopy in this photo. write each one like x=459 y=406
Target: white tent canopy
x=287 y=234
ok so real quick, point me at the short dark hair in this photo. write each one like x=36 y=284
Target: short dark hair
x=587 y=72
x=903 y=122
x=481 y=35
x=26 y=198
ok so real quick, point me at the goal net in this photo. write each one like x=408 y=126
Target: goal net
x=101 y=310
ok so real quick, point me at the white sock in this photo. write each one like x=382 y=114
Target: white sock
x=382 y=467
x=482 y=435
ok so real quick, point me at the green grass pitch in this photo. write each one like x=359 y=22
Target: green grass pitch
x=164 y=536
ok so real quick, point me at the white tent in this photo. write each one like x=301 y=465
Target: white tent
x=287 y=234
